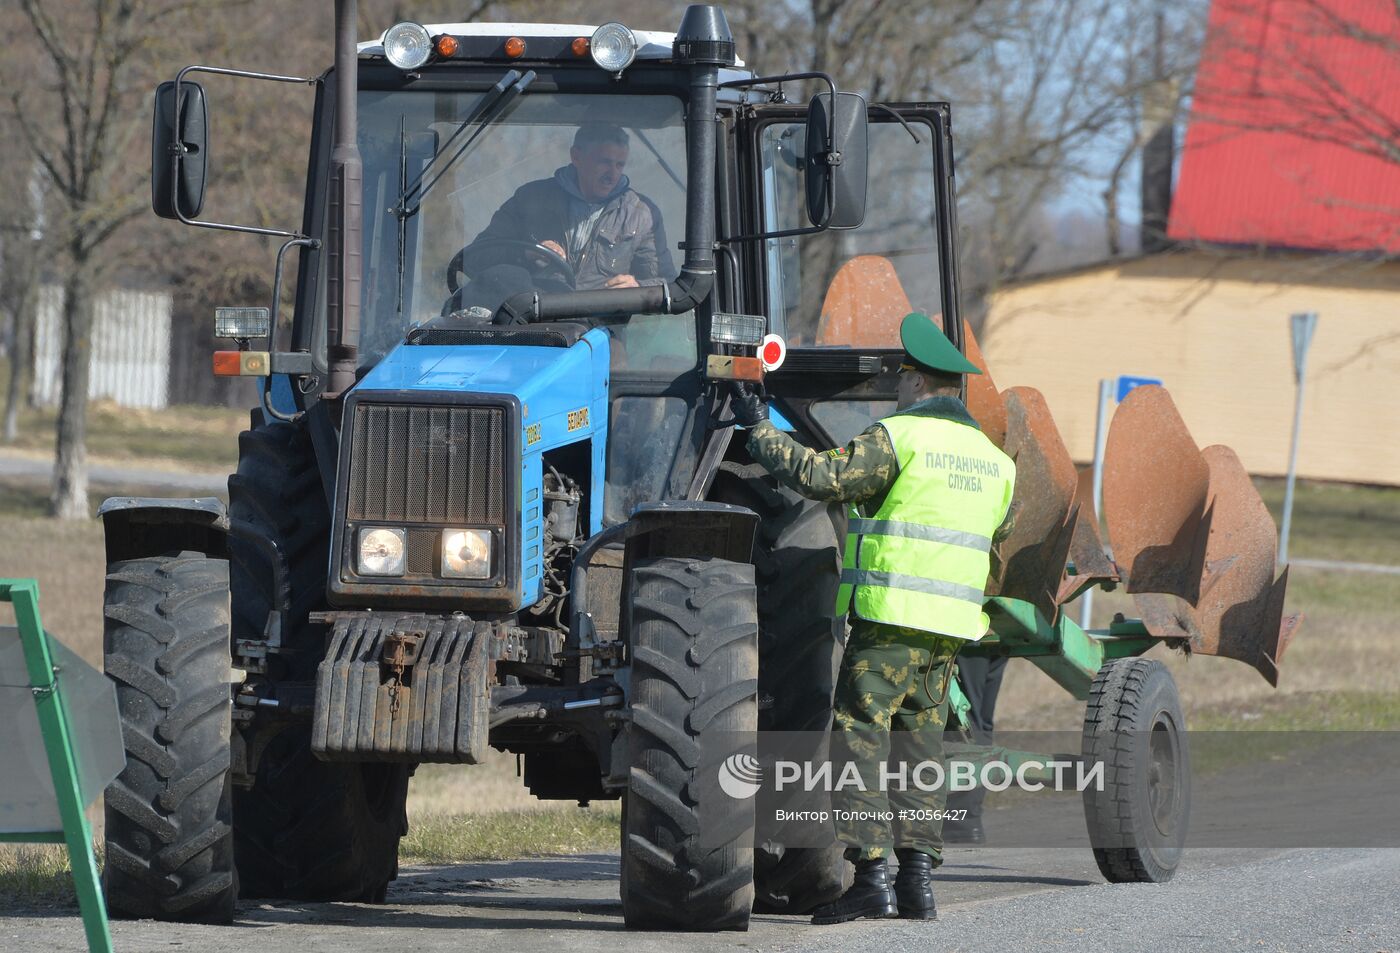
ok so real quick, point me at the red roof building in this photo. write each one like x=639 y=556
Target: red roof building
x=1294 y=136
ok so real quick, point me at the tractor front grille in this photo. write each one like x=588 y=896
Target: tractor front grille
x=443 y=465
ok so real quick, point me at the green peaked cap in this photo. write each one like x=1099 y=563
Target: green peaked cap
x=928 y=347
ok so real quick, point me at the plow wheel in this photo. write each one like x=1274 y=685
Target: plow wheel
x=797 y=565
x=687 y=845
x=1134 y=727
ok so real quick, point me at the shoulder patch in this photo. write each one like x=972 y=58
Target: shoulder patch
x=836 y=452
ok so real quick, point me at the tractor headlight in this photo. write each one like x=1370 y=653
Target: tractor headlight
x=466 y=553
x=613 y=47
x=407 y=45
x=382 y=551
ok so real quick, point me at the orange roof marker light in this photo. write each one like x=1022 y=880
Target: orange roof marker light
x=515 y=47
x=445 y=45
x=580 y=46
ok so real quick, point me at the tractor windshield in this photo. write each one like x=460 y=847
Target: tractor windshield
x=555 y=192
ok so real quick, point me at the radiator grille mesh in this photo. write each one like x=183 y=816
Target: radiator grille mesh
x=440 y=465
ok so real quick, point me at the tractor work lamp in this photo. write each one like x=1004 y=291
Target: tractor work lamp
x=407 y=45
x=613 y=47
x=241 y=324
x=743 y=329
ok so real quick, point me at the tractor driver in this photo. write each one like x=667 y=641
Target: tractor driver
x=588 y=214
x=930 y=494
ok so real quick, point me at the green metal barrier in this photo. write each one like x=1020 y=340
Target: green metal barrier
x=70 y=771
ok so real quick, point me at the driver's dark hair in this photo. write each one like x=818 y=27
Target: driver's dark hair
x=600 y=133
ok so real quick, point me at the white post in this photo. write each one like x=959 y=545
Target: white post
x=1302 y=326
x=1086 y=601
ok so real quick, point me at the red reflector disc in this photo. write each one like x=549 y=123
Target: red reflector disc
x=772 y=352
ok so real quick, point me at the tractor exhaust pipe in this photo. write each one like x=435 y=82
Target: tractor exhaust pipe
x=346 y=221
x=705 y=43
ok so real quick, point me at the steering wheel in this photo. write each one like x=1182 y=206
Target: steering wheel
x=542 y=263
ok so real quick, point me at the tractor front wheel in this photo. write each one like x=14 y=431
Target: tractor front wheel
x=305 y=829
x=797 y=565
x=687 y=846
x=168 y=827
x=1135 y=728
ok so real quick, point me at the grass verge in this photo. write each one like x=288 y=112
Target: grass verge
x=35 y=877
x=502 y=835
x=204 y=438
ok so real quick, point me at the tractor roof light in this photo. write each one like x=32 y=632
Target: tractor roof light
x=407 y=45
x=613 y=47
x=446 y=46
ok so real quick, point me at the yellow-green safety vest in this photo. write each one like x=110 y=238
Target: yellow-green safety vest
x=922 y=559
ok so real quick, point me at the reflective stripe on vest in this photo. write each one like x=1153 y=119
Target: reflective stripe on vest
x=922 y=560
x=937 y=534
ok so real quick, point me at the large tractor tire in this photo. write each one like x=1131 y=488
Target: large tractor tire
x=306 y=829
x=168 y=816
x=1134 y=726
x=797 y=559
x=687 y=857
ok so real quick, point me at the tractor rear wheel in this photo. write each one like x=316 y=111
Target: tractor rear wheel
x=797 y=562
x=168 y=835
x=687 y=853
x=306 y=829
x=1135 y=727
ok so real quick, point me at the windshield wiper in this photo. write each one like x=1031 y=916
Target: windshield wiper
x=490 y=108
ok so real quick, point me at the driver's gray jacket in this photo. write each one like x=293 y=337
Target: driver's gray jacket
x=626 y=237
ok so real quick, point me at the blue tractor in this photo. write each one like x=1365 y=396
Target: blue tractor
x=493 y=496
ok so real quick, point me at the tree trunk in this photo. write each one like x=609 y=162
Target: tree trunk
x=70 y=485
x=22 y=343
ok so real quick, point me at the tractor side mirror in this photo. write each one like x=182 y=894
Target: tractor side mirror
x=179 y=157
x=837 y=152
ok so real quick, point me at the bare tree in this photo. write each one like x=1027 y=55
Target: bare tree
x=19 y=288
x=93 y=52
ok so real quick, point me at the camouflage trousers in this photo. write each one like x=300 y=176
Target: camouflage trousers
x=890 y=707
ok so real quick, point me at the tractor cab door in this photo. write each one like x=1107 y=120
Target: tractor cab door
x=838 y=296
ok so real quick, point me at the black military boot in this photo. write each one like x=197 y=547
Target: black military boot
x=869 y=896
x=913 y=885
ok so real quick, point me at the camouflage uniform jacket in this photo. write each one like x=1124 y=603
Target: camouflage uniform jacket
x=861 y=472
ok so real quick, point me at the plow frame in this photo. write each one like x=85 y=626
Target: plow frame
x=1070 y=655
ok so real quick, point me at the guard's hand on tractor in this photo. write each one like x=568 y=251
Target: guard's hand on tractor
x=621 y=281
x=749 y=404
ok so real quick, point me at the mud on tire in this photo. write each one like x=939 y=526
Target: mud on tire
x=168 y=816
x=687 y=857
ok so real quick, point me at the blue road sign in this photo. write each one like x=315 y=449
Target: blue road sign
x=1126 y=384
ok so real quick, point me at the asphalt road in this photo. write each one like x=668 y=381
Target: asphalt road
x=33 y=467
x=989 y=900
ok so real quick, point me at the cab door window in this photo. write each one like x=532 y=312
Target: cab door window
x=852 y=287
